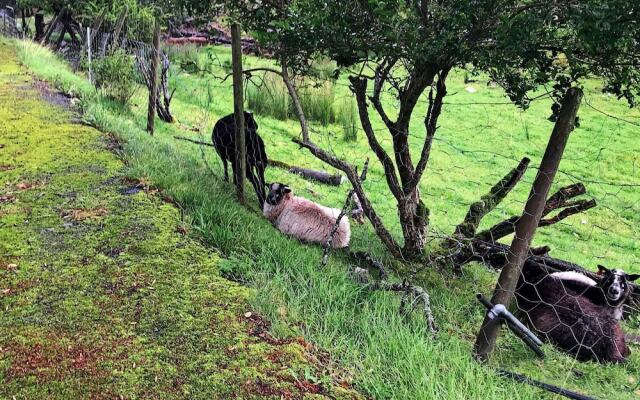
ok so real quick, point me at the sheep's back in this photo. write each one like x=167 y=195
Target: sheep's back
x=312 y=222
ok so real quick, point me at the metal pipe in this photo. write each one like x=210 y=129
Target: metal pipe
x=500 y=312
x=551 y=388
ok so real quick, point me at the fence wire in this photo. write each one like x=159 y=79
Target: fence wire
x=573 y=290
x=8 y=23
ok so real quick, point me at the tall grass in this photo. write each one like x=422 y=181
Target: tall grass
x=317 y=100
x=323 y=69
x=347 y=116
x=268 y=96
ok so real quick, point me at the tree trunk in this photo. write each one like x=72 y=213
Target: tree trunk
x=414 y=220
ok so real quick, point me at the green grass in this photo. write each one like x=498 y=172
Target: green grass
x=316 y=99
x=105 y=294
x=267 y=96
x=475 y=145
x=347 y=118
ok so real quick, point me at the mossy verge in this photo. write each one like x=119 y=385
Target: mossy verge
x=103 y=293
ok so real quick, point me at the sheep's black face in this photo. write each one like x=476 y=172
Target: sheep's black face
x=615 y=284
x=277 y=191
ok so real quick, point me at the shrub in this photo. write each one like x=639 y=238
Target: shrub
x=347 y=116
x=115 y=76
x=268 y=97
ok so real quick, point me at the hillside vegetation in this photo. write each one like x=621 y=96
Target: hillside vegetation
x=481 y=138
x=104 y=293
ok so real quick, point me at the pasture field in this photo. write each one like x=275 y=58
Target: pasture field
x=481 y=137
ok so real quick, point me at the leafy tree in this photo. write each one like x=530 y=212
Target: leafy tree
x=408 y=47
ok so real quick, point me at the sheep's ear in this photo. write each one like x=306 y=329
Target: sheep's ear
x=287 y=189
x=633 y=277
x=602 y=269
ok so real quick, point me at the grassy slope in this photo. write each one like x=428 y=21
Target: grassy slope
x=101 y=295
x=393 y=359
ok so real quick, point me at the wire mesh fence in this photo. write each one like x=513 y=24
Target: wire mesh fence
x=466 y=208
x=8 y=23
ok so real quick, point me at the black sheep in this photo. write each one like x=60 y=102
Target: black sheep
x=575 y=313
x=223 y=137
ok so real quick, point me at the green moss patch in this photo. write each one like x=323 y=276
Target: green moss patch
x=103 y=292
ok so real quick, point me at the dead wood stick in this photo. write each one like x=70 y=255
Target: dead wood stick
x=411 y=294
x=52 y=26
x=343 y=212
x=357 y=212
x=193 y=141
x=118 y=29
x=489 y=201
x=419 y=295
x=559 y=200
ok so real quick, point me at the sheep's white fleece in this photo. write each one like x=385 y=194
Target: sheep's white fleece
x=308 y=221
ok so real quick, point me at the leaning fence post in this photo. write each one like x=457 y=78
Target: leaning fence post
x=153 y=77
x=526 y=227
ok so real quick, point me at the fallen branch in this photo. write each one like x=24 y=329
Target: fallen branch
x=319 y=176
x=412 y=295
x=194 y=141
x=419 y=295
x=343 y=212
x=357 y=212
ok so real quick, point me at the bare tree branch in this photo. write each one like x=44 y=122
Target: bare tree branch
x=558 y=200
x=430 y=122
x=359 y=88
x=381 y=75
x=343 y=212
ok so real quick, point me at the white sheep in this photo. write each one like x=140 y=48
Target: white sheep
x=304 y=219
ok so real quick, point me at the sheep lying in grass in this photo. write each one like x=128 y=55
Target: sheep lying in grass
x=576 y=313
x=304 y=219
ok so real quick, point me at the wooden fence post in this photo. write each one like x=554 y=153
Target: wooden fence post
x=153 y=79
x=39 y=21
x=238 y=110
x=526 y=228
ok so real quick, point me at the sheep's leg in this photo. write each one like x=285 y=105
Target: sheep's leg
x=256 y=185
x=262 y=182
x=226 y=171
x=224 y=164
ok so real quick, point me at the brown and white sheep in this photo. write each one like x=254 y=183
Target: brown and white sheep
x=304 y=219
